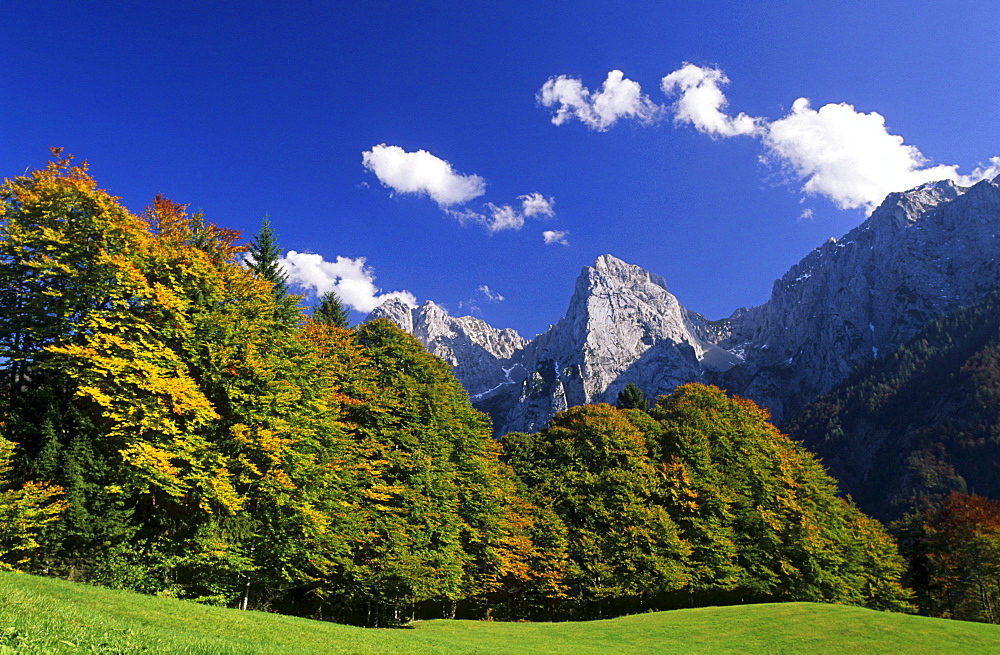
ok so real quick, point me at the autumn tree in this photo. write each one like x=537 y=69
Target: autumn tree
x=156 y=380
x=954 y=555
x=760 y=512
x=61 y=239
x=24 y=511
x=592 y=468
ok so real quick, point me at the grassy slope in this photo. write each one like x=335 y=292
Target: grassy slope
x=40 y=614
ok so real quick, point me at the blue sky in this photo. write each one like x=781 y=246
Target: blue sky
x=422 y=137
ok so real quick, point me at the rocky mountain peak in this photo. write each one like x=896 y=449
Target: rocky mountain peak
x=396 y=311
x=477 y=351
x=609 y=267
x=920 y=253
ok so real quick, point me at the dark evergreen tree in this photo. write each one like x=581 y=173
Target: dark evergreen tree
x=332 y=311
x=264 y=255
x=632 y=397
x=264 y=259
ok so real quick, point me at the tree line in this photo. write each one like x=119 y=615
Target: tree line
x=173 y=423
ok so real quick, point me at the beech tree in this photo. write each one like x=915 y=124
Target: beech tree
x=706 y=496
x=592 y=468
x=442 y=523
x=24 y=512
x=761 y=514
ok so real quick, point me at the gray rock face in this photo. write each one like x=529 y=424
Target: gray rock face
x=623 y=325
x=920 y=253
x=476 y=350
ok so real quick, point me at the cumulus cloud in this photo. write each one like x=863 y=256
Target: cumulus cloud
x=535 y=204
x=350 y=278
x=851 y=158
x=617 y=98
x=490 y=294
x=845 y=155
x=422 y=173
x=555 y=236
x=701 y=102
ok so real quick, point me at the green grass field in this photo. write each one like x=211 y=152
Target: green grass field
x=53 y=616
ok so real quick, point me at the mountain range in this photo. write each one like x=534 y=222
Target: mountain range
x=920 y=254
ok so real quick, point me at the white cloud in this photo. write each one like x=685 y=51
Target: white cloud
x=350 y=278
x=806 y=215
x=847 y=156
x=851 y=158
x=701 y=102
x=617 y=98
x=421 y=172
x=535 y=204
x=503 y=217
x=466 y=216
x=489 y=294
x=555 y=236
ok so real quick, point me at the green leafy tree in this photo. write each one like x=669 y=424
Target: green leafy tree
x=592 y=468
x=761 y=513
x=442 y=518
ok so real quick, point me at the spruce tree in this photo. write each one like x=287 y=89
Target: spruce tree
x=331 y=311
x=264 y=258
x=632 y=397
x=265 y=261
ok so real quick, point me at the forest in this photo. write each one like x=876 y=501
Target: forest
x=175 y=422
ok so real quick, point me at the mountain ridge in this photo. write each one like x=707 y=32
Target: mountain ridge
x=920 y=253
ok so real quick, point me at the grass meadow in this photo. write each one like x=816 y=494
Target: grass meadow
x=43 y=615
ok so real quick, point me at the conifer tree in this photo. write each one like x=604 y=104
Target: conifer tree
x=632 y=397
x=264 y=259
x=331 y=311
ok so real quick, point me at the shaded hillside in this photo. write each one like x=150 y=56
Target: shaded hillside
x=907 y=429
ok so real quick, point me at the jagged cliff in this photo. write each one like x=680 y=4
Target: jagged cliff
x=920 y=253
